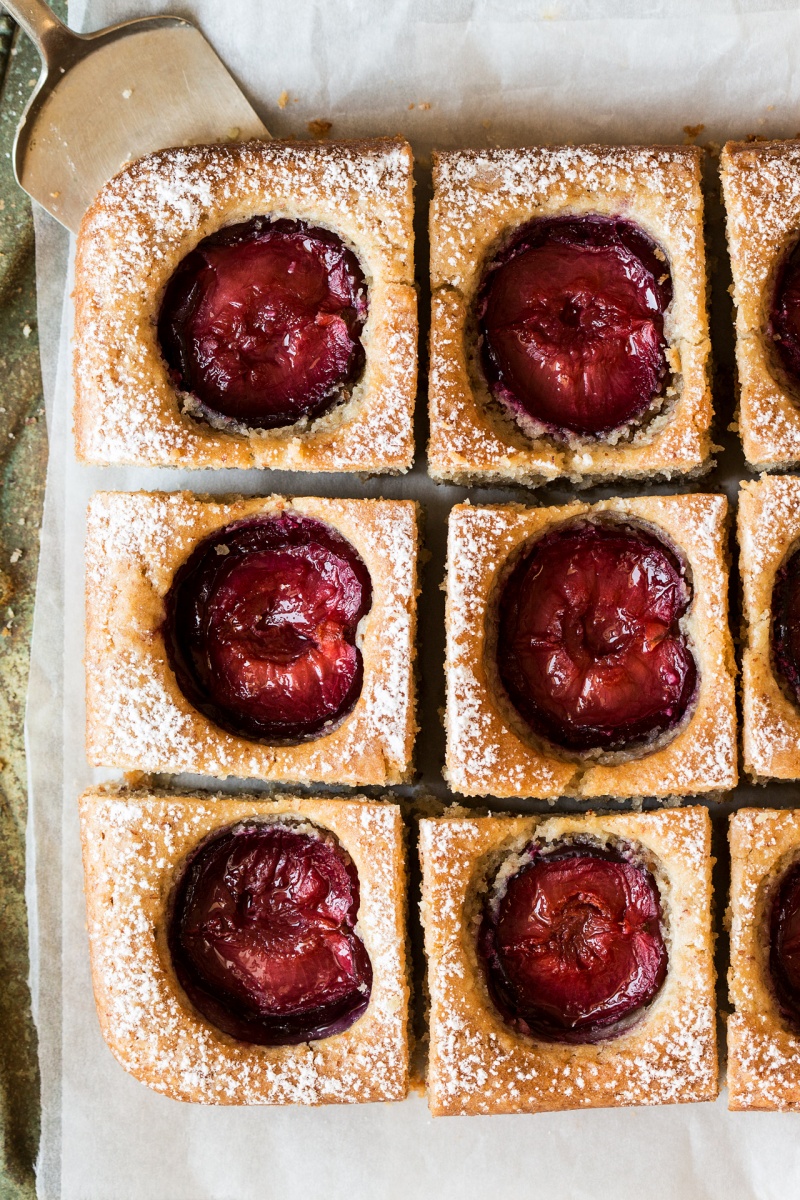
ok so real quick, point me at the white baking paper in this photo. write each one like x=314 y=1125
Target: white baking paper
x=448 y=73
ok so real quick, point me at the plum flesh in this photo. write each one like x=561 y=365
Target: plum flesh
x=261 y=935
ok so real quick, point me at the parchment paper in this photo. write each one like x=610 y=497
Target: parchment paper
x=477 y=72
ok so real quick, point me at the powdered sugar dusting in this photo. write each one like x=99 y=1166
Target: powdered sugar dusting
x=761 y=184
x=773 y=507
x=389 y=708
x=771 y=732
x=474 y=185
x=769 y=524
x=478 y=762
x=761 y=189
x=132 y=848
x=766 y=1074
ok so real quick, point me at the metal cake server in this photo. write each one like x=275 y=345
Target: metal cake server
x=106 y=98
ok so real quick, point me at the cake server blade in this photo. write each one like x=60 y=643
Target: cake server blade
x=106 y=98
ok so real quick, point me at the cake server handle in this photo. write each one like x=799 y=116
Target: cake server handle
x=55 y=42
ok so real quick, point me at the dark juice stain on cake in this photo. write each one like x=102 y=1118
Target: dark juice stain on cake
x=573 y=946
x=786 y=624
x=261 y=625
x=784 y=949
x=784 y=318
x=590 y=650
x=261 y=323
x=262 y=939
x=571 y=324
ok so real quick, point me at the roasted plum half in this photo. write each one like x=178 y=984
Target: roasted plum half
x=784 y=945
x=786 y=624
x=261 y=323
x=571 y=326
x=783 y=326
x=262 y=935
x=590 y=649
x=572 y=943
x=261 y=624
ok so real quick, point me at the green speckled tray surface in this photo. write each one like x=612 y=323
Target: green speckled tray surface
x=23 y=458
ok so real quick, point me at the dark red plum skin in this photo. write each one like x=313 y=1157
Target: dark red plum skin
x=784 y=947
x=785 y=631
x=783 y=326
x=261 y=323
x=260 y=627
x=571 y=325
x=574 y=948
x=261 y=935
x=590 y=650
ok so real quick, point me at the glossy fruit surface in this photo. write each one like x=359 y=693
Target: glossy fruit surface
x=786 y=624
x=574 y=946
x=262 y=935
x=590 y=650
x=261 y=624
x=784 y=950
x=261 y=323
x=784 y=317
x=571 y=321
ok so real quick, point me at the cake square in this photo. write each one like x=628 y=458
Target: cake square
x=481 y=198
x=761 y=192
x=478 y=1063
x=139 y=718
x=763 y=1048
x=769 y=526
x=152 y=215
x=134 y=846
x=491 y=751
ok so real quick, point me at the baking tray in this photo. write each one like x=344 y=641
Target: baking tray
x=448 y=74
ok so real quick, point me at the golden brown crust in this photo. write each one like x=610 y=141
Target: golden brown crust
x=479 y=197
x=763 y=1053
x=769 y=525
x=137 y=717
x=151 y=215
x=478 y=1065
x=486 y=756
x=761 y=190
x=133 y=847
